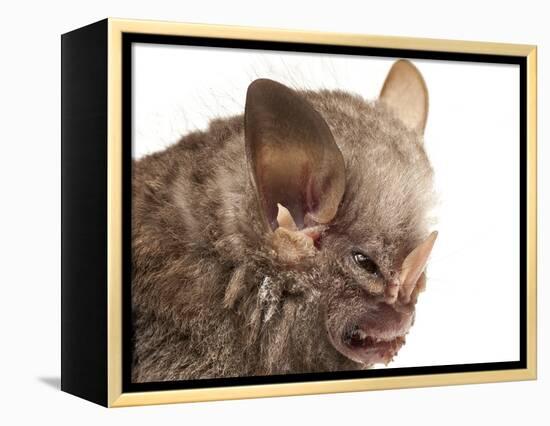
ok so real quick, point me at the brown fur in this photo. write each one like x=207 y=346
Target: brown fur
x=210 y=296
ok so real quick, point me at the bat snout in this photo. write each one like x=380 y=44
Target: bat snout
x=374 y=336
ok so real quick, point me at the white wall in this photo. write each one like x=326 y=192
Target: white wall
x=30 y=172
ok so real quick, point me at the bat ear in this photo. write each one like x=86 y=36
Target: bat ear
x=405 y=93
x=413 y=267
x=292 y=157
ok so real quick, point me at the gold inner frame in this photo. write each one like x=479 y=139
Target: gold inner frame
x=116 y=398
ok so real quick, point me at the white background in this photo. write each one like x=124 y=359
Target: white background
x=30 y=173
x=473 y=121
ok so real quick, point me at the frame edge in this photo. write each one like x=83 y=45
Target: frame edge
x=318 y=37
x=532 y=215
x=83 y=228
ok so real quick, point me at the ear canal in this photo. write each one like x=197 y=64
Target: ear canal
x=292 y=157
x=405 y=93
x=413 y=267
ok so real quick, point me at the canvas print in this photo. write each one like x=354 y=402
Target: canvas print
x=309 y=213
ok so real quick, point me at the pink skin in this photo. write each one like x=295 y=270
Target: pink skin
x=376 y=334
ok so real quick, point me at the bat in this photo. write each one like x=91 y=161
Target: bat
x=293 y=238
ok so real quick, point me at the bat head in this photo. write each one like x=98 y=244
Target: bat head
x=342 y=187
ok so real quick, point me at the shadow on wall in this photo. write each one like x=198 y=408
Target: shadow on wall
x=53 y=382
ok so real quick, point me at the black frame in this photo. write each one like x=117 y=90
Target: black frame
x=84 y=77
x=129 y=38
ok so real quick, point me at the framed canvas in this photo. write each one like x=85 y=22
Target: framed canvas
x=255 y=212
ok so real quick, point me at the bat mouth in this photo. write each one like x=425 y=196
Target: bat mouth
x=373 y=337
x=360 y=346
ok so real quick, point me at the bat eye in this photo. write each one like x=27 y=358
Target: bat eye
x=366 y=263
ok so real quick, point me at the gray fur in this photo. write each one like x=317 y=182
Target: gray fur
x=210 y=298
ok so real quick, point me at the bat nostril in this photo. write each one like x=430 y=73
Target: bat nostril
x=391 y=291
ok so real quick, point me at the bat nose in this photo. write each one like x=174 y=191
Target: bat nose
x=391 y=291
